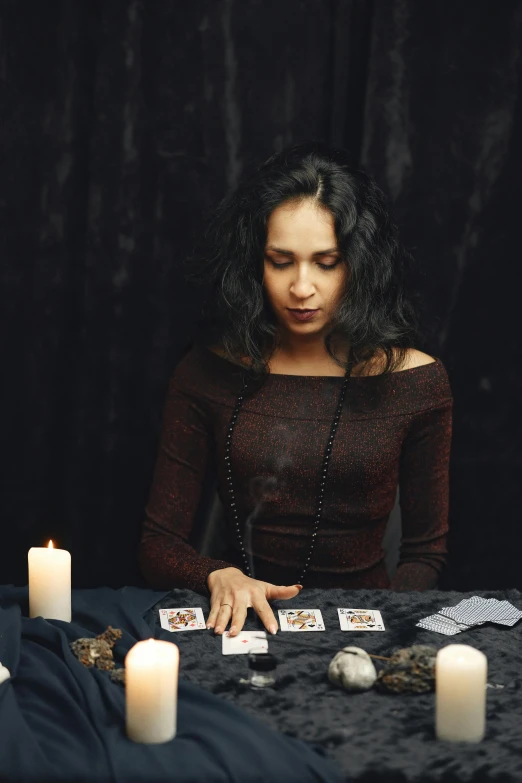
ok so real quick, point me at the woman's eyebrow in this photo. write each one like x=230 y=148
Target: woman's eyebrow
x=290 y=253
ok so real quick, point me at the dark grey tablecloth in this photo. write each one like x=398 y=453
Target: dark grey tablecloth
x=373 y=736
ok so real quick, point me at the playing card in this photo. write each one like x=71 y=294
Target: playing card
x=301 y=620
x=244 y=642
x=477 y=611
x=507 y=614
x=506 y=609
x=360 y=620
x=501 y=612
x=440 y=625
x=181 y=619
x=469 y=613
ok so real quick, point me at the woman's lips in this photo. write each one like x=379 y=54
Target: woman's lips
x=302 y=315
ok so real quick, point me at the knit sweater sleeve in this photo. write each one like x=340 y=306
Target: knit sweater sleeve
x=166 y=557
x=423 y=498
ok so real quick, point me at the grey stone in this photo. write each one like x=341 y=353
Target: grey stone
x=352 y=669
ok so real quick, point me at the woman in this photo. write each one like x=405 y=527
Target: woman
x=306 y=395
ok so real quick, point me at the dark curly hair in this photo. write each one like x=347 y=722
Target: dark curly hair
x=375 y=315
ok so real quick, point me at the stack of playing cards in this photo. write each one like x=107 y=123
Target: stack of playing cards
x=470 y=612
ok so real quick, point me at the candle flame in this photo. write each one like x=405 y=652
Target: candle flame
x=50 y=545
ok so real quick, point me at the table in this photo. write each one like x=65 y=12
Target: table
x=61 y=721
x=372 y=736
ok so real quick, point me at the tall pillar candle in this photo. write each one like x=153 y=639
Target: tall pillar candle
x=460 y=683
x=49 y=583
x=151 y=691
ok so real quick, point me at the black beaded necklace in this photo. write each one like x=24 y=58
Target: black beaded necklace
x=324 y=471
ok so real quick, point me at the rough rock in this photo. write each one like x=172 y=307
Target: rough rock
x=409 y=670
x=98 y=651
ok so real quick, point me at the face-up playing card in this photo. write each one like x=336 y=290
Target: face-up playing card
x=360 y=620
x=181 y=619
x=301 y=620
x=244 y=642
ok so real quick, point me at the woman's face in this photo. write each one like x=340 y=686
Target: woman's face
x=303 y=270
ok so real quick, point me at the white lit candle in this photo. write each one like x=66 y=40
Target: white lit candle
x=151 y=691
x=49 y=583
x=4 y=674
x=461 y=674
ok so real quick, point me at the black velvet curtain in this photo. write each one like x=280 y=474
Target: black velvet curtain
x=123 y=122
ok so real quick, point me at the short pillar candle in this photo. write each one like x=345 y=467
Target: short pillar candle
x=49 y=583
x=460 y=684
x=4 y=674
x=151 y=691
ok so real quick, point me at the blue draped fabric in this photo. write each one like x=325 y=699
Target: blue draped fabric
x=61 y=721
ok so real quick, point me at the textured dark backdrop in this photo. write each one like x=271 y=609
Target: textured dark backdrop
x=123 y=122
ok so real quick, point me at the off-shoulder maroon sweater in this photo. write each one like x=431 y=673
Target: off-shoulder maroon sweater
x=395 y=429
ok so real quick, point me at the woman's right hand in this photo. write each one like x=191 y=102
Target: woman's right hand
x=232 y=593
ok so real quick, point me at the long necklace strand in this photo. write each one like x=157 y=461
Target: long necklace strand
x=322 y=484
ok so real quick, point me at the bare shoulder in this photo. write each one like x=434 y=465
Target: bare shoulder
x=415 y=358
